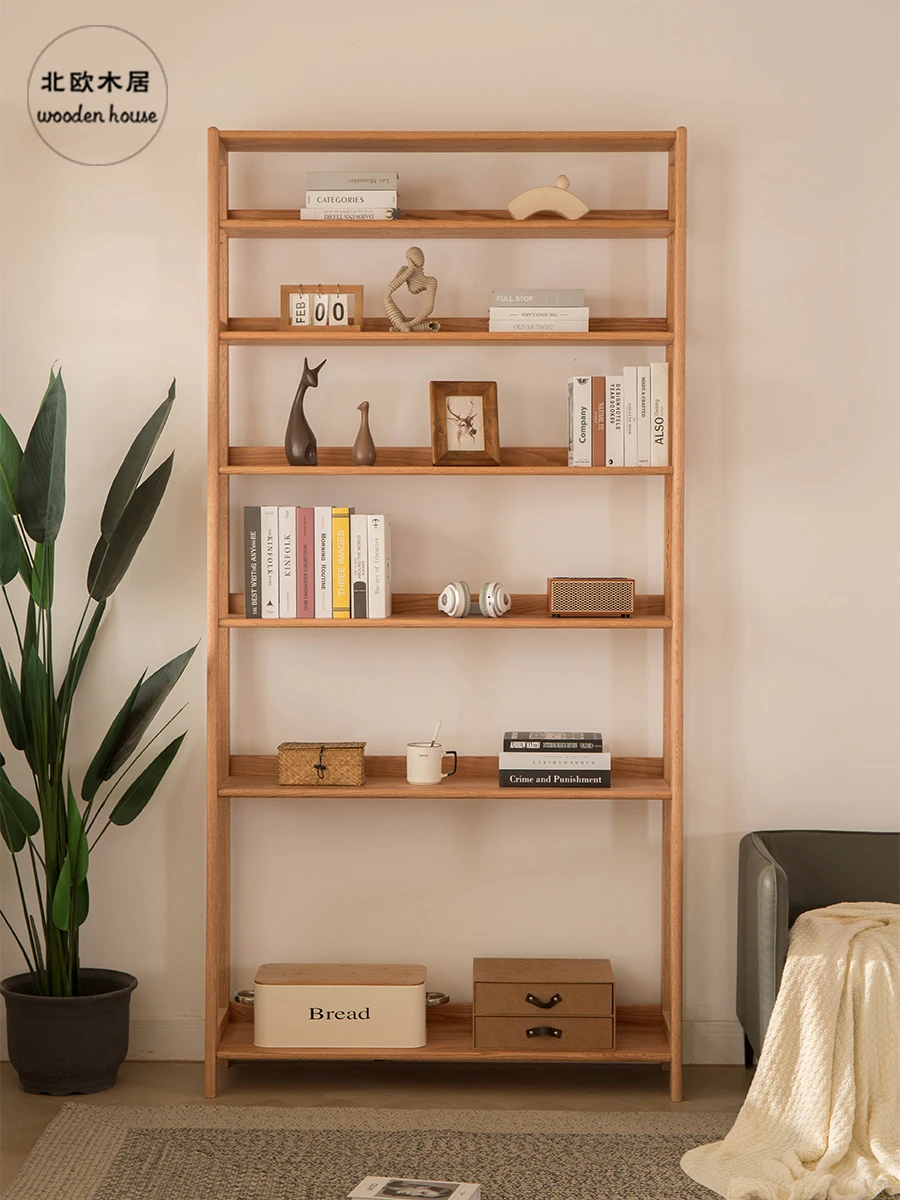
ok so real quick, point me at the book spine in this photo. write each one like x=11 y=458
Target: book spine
x=351 y=181
x=557 y=297
x=502 y=326
x=659 y=410
x=354 y=214
x=553 y=760
x=379 y=531
x=268 y=591
x=361 y=198
x=598 y=421
x=340 y=563
x=306 y=571
x=512 y=745
x=359 y=565
x=251 y=561
x=551 y=779
x=629 y=415
x=644 y=421
x=538 y=313
x=580 y=429
x=287 y=561
x=615 y=432
x=322 y=562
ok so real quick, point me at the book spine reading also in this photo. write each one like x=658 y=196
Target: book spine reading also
x=580 y=421
x=659 y=411
x=598 y=421
x=556 y=778
x=268 y=520
x=554 y=760
x=579 y=743
x=629 y=415
x=340 y=564
x=644 y=422
x=615 y=430
x=555 y=297
x=363 y=198
x=379 y=566
x=351 y=181
x=251 y=562
x=322 y=560
x=287 y=561
x=349 y=214
x=306 y=571
x=359 y=563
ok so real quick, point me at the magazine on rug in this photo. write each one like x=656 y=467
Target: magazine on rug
x=378 y=1187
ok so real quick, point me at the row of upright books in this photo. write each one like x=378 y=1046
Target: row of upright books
x=550 y=760
x=330 y=563
x=620 y=420
x=351 y=196
x=544 y=310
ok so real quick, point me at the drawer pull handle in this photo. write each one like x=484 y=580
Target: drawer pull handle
x=543 y=1031
x=551 y=1003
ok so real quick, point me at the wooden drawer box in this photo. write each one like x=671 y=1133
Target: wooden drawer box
x=565 y=1003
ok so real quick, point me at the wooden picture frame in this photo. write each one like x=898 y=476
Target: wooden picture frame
x=322 y=289
x=473 y=421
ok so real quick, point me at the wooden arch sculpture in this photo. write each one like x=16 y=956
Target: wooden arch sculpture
x=558 y=200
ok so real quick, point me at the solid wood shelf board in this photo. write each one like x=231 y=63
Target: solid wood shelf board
x=256 y=776
x=283 y=141
x=640 y=1037
x=450 y=223
x=416 y=460
x=612 y=331
x=418 y=610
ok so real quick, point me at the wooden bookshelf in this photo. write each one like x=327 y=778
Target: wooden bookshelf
x=645 y=1033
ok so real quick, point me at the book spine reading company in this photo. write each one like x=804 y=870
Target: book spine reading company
x=578 y=743
x=268 y=521
x=251 y=562
x=364 y=198
x=349 y=214
x=644 y=423
x=287 y=561
x=629 y=415
x=598 y=421
x=359 y=564
x=322 y=560
x=554 y=760
x=544 y=297
x=340 y=564
x=379 y=566
x=659 y=412
x=351 y=181
x=615 y=435
x=306 y=571
x=580 y=421
x=555 y=778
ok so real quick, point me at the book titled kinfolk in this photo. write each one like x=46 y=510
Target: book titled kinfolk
x=351 y=181
x=534 y=740
x=386 y=1187
x=251 y=562
x=268 y=567
x=287 y=561
x=539 y=297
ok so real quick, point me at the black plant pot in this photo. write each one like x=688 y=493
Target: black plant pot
x=65 y=1044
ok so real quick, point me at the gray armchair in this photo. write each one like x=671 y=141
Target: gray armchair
x=783 y=873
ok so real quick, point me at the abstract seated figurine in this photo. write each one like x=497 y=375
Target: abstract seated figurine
x=417 y=281
x=299 y=440
x=558 y=200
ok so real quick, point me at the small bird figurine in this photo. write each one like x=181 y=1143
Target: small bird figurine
x=364 y=448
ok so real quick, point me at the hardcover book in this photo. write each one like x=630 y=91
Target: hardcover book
x=268 y=520
x=598 y=421
x=359 y=564
x=322 y=562
x=535 y=740
x=538 y=313
x=287 y=561
x=495 y=325
x=580 y=436
x=340 y=563
x=554 y=760
x=659 y=411
x=351 y=181
x=379 y=581
x=615 y=430
x=629 y=415
x=306 y=568
x=644 y=422
x=531 y=777
x=387 y=1187
x=252 y=606
x=520 y=298
x=352 y=214
x=361 y=198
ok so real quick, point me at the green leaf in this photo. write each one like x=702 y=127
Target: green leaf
x=79 y=658
x=62 y=896
x=94 y=775
x=34 y=710
x=42 y=576
x=10 y=547
x=11 y=705
x=42 y=472
x=10 y=458
x=30 y=638
x=136 y=796
x=77 y=841
x=150 y=698
x=112 y=559
x=129 y=474
x=18 y=818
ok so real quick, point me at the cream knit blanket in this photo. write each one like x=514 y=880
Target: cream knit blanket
x=822 y=1118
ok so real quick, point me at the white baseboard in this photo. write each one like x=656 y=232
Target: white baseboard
x=180 y=1039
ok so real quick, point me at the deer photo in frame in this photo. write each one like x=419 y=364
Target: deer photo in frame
x=464 y=427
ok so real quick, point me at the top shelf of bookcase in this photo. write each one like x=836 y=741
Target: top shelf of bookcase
x=285 y=141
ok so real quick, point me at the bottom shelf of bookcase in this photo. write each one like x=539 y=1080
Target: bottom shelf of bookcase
x=640 y=1037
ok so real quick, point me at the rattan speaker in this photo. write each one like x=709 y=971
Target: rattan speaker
x=582 y=597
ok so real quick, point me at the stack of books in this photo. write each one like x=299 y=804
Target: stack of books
x=351 y=196
x=331 y=563
x=551 y=760
x=620 y=420
x=543 y=310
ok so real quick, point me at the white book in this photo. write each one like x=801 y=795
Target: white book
x=268 y=571
x=629 y=415
x=287 y=561
x=387 y=1187
x=555 y=760
x=379 y=567
x=353 y=214
x=659 y=410
x=537 y=313
x=359 y=564
x=580 y=432
x=363 y=198
x=615 y=429
x=348 y=181
x=322 y=560
x=644 y=422
x=519 y=297
x=496 y=325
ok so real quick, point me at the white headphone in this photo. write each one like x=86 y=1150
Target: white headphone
x=456 y=600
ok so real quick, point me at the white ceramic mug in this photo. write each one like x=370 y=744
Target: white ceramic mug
x=424 y=760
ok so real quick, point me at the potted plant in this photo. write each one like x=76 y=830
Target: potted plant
x=67 y=1026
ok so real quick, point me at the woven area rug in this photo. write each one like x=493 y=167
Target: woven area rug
x=200 y=1152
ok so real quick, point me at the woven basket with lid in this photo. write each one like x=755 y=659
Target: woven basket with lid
x=331 y=764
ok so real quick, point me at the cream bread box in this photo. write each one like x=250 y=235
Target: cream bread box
x=339 y=1004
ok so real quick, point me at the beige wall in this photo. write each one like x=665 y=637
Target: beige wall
x=792 y=511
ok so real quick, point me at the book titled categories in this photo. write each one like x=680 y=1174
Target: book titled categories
x=323 y=562
x=620 y=420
